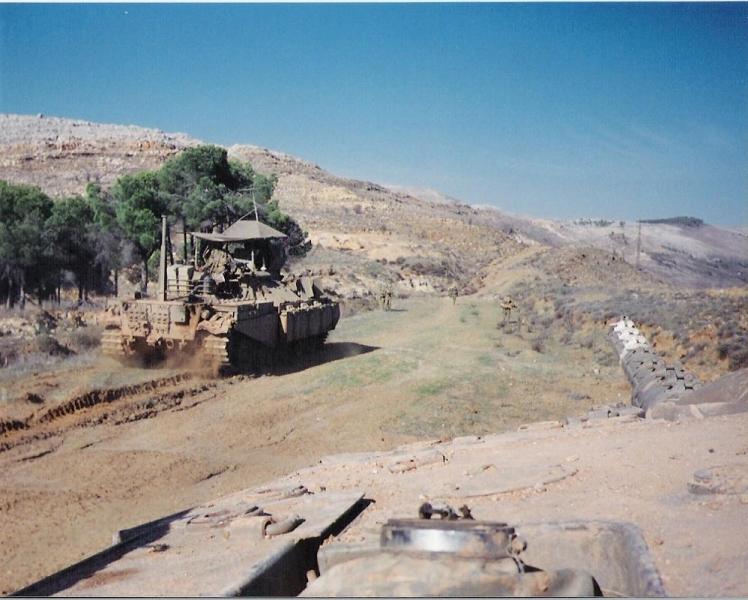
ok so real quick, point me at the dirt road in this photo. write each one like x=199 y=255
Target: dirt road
x=142 y=444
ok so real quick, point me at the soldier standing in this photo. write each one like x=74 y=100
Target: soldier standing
x=383 y=299
x=507 y=305
x=388 y=298
x=453 y=293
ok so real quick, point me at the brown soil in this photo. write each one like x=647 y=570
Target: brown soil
x=617 y=470
x=132 y=445
x=88 y=446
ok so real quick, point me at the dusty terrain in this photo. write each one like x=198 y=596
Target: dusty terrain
x=88 y=446
x=632 y=471
x=426 y=369
x=148 y=443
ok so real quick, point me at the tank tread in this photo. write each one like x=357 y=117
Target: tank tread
x=234 y=352
x=216 y=351
x=112 y=344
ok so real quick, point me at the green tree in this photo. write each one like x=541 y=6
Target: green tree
x=201 y=183
x=138 y=205
x=200 y=188
x=182 y=172
x=105 y=236
x=205 y=189
x=69 y=227
x=24 y=243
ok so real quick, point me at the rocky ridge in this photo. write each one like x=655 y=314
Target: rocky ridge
x=62 y=156
x=367 y=235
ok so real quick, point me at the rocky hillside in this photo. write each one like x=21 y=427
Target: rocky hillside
x=62 y=156
x=366 y=235
x=688 y=255
x=382 y=235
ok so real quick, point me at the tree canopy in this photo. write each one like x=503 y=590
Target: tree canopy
x=24 y=250
x=92 y=235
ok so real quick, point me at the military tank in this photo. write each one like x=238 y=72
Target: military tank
x=229 y=305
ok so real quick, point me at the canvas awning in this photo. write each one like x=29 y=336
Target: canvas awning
x=242 y=231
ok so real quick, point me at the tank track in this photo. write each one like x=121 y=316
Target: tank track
x=235 y=352
x=135 y=353
x=112 y=344
x=216 y=351
x=223 y=354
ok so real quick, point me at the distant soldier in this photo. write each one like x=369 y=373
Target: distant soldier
x=453 y=293
x=507 y=305
x=388 y=298
x=74 y=319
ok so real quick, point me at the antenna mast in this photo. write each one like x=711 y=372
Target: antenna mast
x=254 y=201
x=162 y=276
x=250 y=189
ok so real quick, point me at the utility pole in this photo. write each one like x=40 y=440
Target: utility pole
x=638 y=244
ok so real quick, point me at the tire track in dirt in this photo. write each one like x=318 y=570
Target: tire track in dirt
x=94 y=397
x=80 y=410
x=13 y=425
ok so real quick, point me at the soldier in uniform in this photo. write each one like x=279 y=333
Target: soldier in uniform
x=44 y=323
x=507 y=305
x=382 y=299
x=217 y=262
x=453 y=293
x=388 y=298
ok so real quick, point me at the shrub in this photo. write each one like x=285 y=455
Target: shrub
x=739 y=357
x=84 y=338
x=46 y=344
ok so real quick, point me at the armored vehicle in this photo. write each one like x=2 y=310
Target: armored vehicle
x=286 y=541
x=229 y=306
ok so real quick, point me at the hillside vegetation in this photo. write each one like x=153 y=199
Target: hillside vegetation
x=365 y=236
x=368 y=234
x=92 y=237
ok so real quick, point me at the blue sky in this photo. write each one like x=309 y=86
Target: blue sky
x=550 y=110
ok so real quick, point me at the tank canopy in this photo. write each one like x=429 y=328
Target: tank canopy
x=242 y=231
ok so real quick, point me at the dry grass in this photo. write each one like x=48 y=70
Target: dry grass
x=707 y=331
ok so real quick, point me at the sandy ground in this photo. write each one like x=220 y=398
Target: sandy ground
x=145 y=443
x=427 y=369
x=631 y=471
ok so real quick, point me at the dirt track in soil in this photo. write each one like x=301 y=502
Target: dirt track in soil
x=119 y=446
